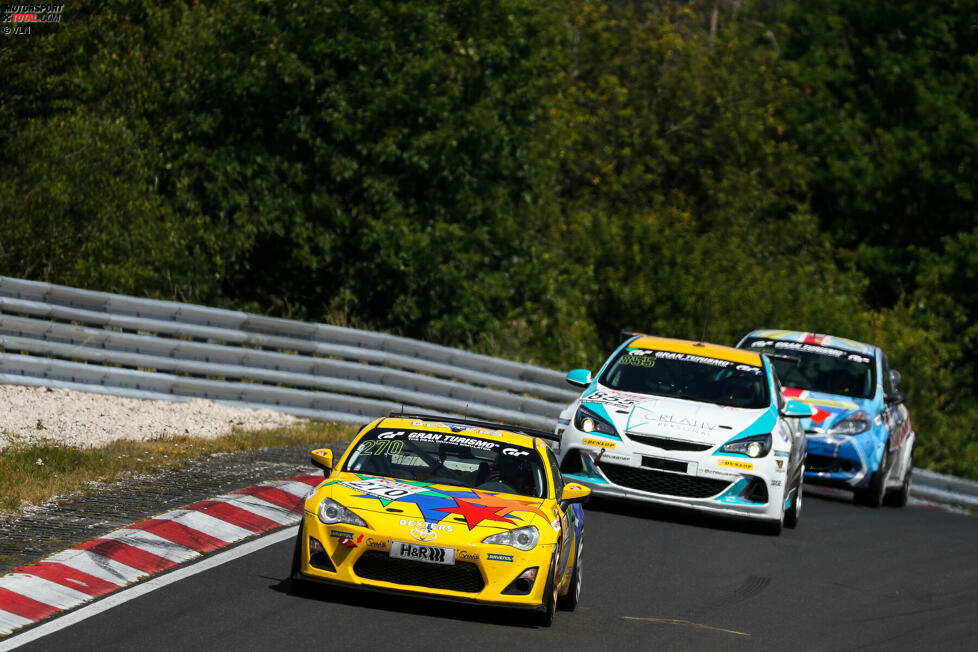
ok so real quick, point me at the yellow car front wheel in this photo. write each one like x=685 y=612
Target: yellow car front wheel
x=570 y=601
x=545 y=618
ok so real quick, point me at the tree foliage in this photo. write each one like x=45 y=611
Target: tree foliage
x=518 y=177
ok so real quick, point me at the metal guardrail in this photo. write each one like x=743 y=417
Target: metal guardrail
x=53 y=335
x=947 y=489
x=80 y=339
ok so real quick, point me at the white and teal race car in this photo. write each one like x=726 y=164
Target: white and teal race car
x=690 y=425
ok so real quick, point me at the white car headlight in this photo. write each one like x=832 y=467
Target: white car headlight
x=524 y=538
x=587 y=420
x=331 y=512
x=756 y=446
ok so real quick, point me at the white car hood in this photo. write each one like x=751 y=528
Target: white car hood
x=672 y=418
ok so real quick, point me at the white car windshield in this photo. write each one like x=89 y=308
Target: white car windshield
x=690 y=377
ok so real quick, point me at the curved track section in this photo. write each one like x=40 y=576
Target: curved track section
x=849 y=578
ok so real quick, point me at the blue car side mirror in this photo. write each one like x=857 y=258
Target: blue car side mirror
x=895 y=398
x=579 y=377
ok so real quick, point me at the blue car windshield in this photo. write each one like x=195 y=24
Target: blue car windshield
x=689 y=377
x=818 y=368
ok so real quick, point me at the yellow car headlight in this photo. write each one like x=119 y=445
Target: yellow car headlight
x=331 y=513
x=524 y=538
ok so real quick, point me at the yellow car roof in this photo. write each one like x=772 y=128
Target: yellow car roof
x=704 y=349
x=417 y=423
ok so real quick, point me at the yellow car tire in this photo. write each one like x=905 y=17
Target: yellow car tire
x=298 y=585
x=545 y=618
x=570 y=600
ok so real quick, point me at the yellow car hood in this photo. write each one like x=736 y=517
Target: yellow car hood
x=450 y=511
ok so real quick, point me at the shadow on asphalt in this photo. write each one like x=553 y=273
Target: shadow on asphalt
x=638 y=509
x=413 y=604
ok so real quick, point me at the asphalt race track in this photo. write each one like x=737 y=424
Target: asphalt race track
x=849 y=578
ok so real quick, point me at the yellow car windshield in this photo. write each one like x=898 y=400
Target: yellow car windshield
x=449 y=458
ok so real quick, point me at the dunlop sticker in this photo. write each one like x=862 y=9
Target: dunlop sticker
x=737 y=464
x=599 y=443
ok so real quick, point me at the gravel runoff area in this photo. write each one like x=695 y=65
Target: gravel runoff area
x=84 y=419
x=87 y=420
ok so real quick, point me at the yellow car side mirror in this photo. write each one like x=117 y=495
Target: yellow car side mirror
x=575 y=493
x=323 y=458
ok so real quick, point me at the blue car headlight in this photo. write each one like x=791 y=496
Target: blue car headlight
x=853 y=424
x=587 y=420
x=754 y=446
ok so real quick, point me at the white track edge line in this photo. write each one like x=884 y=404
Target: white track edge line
x=125 y=595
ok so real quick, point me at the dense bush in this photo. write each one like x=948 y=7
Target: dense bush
x=518 y=177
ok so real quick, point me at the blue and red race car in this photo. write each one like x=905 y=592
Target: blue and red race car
x=859 y=437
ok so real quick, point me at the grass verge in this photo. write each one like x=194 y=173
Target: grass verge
x=33 y=474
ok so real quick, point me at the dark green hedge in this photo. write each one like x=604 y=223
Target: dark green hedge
x=518 y=177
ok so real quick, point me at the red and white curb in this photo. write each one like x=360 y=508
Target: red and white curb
x=115 y=560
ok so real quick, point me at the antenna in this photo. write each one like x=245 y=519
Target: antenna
x=706 y=317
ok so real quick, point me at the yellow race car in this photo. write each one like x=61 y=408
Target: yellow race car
x=446 y=508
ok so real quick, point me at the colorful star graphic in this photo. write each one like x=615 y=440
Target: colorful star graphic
x=506 y=506
x=432 y=505
x=474 y=514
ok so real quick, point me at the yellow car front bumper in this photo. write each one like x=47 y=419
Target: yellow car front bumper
x=482 y=573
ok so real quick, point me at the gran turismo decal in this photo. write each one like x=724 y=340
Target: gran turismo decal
x=688 y=357
x=784 y=345
x=443 y=438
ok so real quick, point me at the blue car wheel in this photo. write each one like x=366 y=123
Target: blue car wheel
x=872 y=496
